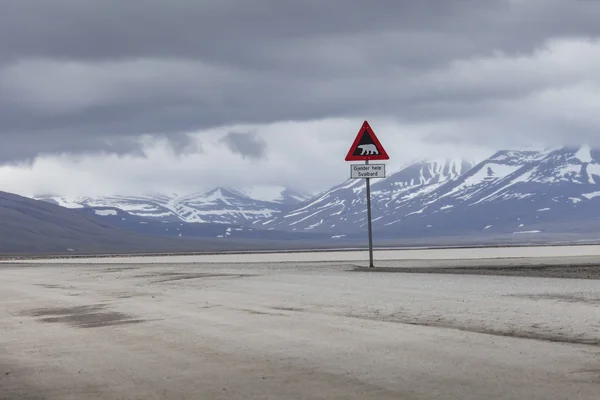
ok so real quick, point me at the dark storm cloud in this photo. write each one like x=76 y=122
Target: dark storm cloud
x=16 y=148
x=182 y=143
x=248 y=145
x=78 y=74
x=235 y=31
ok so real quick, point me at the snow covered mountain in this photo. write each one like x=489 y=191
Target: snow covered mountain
x=512 y=192
x=220 y=205
x=343 y=208
x=231 y=206
x=149 y=206
x=275 y=194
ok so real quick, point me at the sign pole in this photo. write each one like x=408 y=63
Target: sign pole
x=369 y=220
x=367 y=147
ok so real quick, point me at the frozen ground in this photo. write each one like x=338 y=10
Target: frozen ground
x=293 y=331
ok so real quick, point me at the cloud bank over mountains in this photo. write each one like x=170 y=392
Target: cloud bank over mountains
x=148 y=95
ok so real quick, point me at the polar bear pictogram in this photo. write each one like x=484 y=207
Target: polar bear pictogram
x=368 y=149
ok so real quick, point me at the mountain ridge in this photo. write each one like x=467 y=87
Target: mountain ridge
x=444 y=197
x=218 y=205
x=32 y=226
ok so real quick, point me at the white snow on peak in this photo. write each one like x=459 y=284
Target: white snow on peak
x=523 y=156
x=455 y=162
x=212 y=197
x=546 y=152
x=65 y=202
x=584 y=154
x=452 y=166
x=593 y=170
x=431 y=173
x=265 y=193
x=489 y=171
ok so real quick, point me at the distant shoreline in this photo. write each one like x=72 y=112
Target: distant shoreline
x=38 y=256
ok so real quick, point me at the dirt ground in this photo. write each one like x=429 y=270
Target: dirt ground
x=572 y=271
x=293 y=331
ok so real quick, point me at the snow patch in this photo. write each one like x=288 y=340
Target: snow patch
x=489 y=171
x=415 y=212
x=568 y=171
x=593 y=170
x=522 y=178
x=265 y=193
x=273 y=194
x=592 y=195
x=105 y=213
x=67 y=203
x=584 y=154
x=315 y=225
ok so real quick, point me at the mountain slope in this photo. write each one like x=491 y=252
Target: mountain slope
x=35 y=226
x=275 y=194
x=148 y=206
x=342 y=209
x=512 y=192
x=31 y=226
x=462 y=189
x=220 y=205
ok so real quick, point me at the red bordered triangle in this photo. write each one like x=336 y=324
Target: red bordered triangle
x=366 y=146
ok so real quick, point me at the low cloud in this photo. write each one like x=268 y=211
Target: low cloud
x=248 y=145
x=88 y=79
x=310 y=158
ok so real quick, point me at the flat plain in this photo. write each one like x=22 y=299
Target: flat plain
x=316 y=329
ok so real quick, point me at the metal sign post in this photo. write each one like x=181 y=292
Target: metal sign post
x=367 y=147
x=369 y=219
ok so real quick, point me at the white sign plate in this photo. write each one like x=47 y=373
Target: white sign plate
x=363 y=171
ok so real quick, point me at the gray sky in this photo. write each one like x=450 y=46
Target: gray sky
x=183 y=95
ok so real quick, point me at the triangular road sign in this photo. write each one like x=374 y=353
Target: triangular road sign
x=366 y=146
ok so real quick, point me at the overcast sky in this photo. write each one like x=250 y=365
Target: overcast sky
x=132 y=96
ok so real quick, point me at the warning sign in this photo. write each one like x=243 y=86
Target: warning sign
x=366 y=146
